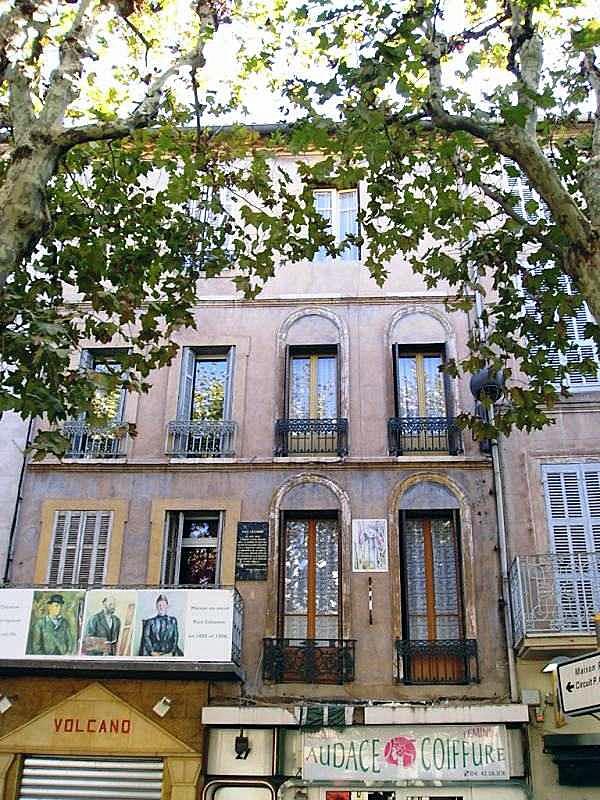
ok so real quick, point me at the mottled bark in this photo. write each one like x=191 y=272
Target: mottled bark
x=23 y=201
x=40 y=140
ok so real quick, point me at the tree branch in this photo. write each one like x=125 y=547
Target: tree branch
x=64 y=80
x=592 y=74
x=20 y=103
x=146 y=112
x=527 y=49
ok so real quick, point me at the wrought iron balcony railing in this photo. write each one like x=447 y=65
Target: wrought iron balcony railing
x=88 y=441
x=311 y=436
x=554 y=593
x=437 y=660
x=424 y=435
x=201 y=438
x=308 y=660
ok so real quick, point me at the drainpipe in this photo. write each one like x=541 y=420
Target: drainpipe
x=502 y=538
x=503 y=553
x=13 y=526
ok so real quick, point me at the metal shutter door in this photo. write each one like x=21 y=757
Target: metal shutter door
x=81 y=778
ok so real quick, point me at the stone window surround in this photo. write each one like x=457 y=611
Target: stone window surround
x=119 y=506
x=231 y=508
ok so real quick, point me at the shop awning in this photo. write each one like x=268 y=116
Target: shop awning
x=577 y=757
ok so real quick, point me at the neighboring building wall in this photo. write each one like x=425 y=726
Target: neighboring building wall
x=13 y=433
x=554 y=599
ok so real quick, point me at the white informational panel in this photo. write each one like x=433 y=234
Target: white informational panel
x=579 y=685
x=123 y=624
x=419 y=752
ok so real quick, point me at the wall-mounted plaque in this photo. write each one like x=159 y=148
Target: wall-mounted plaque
x=252 y=554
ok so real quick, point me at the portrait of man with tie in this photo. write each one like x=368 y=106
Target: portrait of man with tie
x=102 y=630
x=160 y=634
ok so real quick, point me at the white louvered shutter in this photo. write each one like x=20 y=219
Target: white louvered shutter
x=70 y=557
x=54 y=568
x=583 y=347
x=573 y=505
x=79 y=547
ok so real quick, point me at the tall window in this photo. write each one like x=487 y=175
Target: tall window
x=313 y=384
x=191 y=555
x=214 y=212
x=106 y=403
x=420 y=385
x=310 y=578
x=79 y=547
x=340 y=209
x=432 y=591
x=572 y=493
x=205 y=389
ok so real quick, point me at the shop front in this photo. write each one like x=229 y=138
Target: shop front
x=410 y=762
x=94 y=743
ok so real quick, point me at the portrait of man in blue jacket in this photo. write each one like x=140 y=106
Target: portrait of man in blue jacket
x=160 y=634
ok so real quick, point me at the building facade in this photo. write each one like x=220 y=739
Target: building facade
x=287 y=584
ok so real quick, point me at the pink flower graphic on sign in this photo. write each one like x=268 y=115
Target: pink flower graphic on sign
x=400 y=751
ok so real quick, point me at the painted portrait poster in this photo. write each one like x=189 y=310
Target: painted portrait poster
x=369 y=545
x=160 y=624
x=55 y=622
x=337 y=795
x=109 y=622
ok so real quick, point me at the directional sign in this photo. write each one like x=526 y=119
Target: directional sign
x=579 y=685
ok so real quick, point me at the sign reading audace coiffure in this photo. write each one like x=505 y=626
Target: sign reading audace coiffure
x=117 y=624
x=400 y=753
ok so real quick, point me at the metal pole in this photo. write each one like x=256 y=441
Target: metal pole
x=503 y=553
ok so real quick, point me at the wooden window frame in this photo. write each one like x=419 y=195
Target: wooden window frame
x=312 y=352
x=419 y=351
x=454 y=515
x=311 y=517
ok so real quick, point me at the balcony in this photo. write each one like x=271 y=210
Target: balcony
x=327 y=661
x=299 y=437
x=554 y=598
x=88 y=441
x=155 y=630
x=202 y=438
x=437 y=661
x=424 y=435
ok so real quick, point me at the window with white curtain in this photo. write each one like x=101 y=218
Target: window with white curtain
x=340 y=208
x=313 y=383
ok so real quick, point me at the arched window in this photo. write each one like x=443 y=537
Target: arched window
x=433 y=648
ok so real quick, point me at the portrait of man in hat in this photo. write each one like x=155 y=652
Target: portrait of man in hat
x=160 y=634
x=52 y=634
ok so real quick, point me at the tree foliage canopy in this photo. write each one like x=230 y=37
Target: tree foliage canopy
x=446 y=112
x=441 y=111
